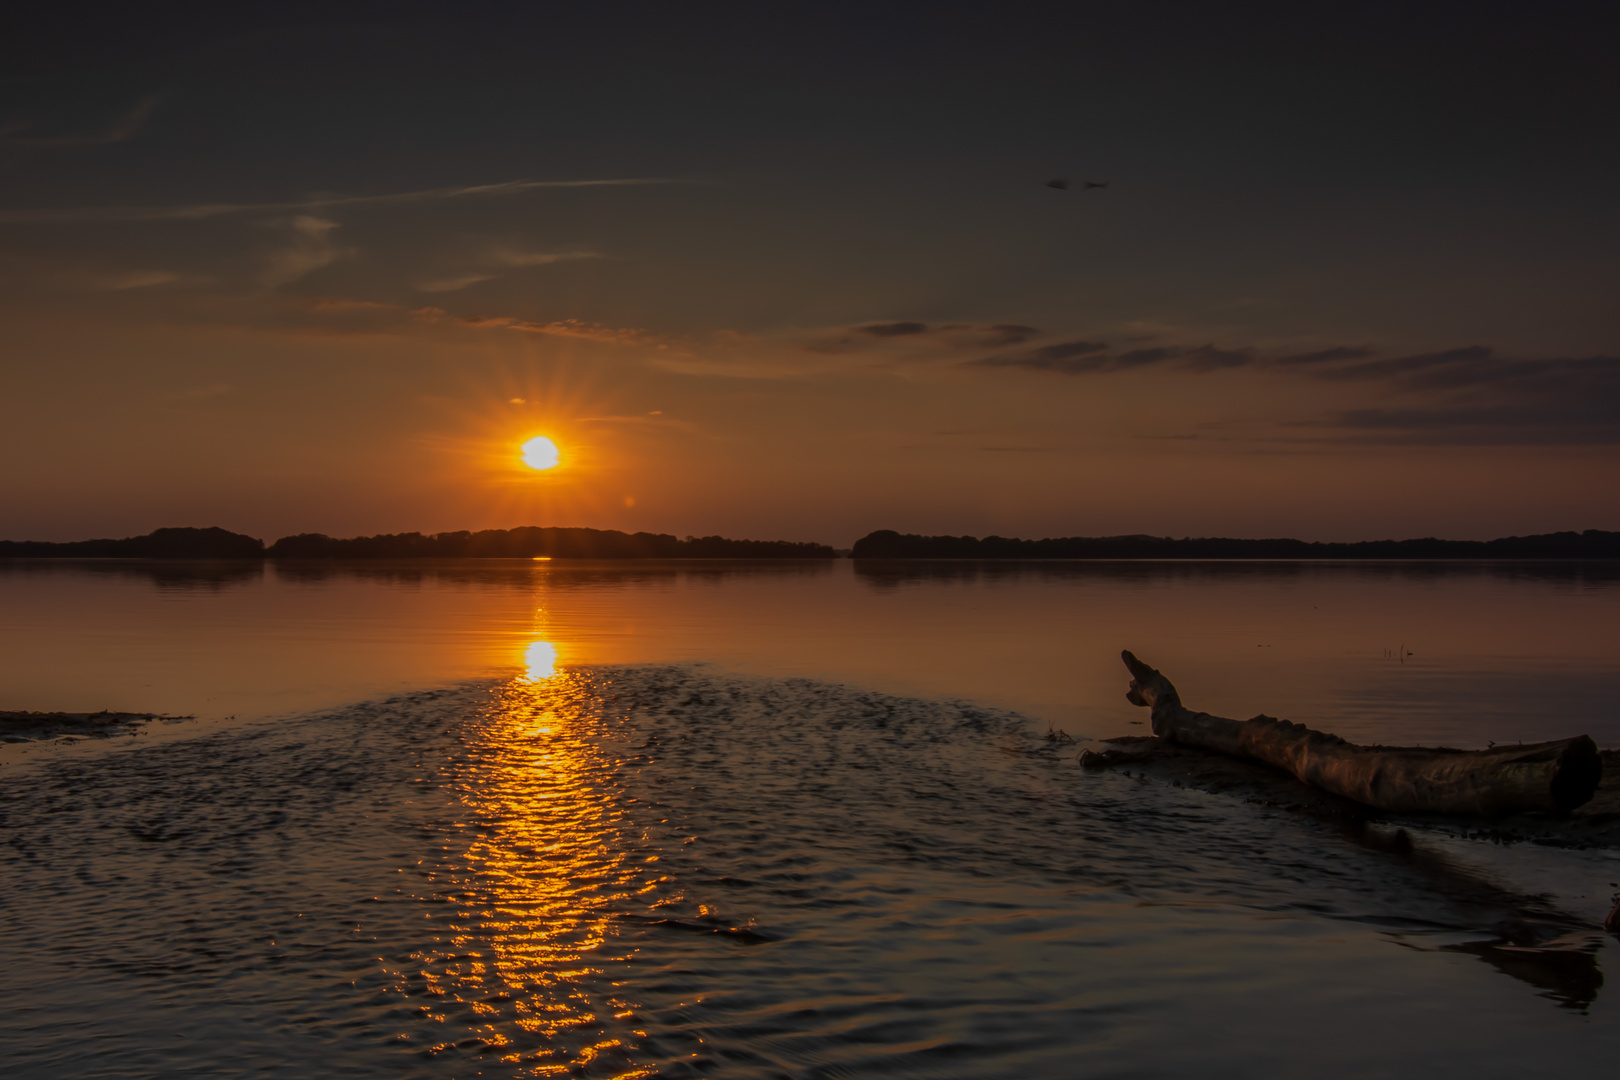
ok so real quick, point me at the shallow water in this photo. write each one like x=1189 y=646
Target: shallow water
x=756 y=822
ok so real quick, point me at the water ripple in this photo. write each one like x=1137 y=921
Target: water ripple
x=635 y=872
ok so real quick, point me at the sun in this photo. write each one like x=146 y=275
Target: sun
x=541 y=453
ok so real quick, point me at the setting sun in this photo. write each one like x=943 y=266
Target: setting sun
x=540 y=453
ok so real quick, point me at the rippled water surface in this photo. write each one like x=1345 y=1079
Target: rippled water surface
x=757 y=821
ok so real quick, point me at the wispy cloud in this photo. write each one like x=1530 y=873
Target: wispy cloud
x=508 y=259
x=1466 y=358
x=454 y=284
x=1064 y=357
x=1343 y=363
x=1094 y=357
x=121 y=129
x=540 y=258
x=138 y=279
x=574 y=328
x=311 y=249
x=1003 y=334
x=1326 y=356
x=338 y=303
x=908 y=335
x=1547 y=421
x=894 y=329
x=198 y=211
x=1467 y=395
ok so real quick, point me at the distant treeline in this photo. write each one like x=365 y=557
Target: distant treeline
x=525 y=543
x=887 y=544
x=158 y=544
x=531 y=542
x=528 y=543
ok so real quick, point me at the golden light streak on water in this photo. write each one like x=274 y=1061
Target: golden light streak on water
x=550 y=864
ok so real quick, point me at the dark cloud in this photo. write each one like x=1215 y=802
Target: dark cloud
x=1065 y=358
x=1089 y=357
x=1406 y=365
x=1326 y=356
x=1546 y=422
x=1003 y=334
x=1065 y=350
x=1464 y=396
x=1485 y=400
x=1461 y=368
x=1142 y=357
x=894 y=329
x=1478 y=369
x=1209 y=358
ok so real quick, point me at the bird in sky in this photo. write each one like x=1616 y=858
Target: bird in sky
x=1059 y=183
x=1093 y=184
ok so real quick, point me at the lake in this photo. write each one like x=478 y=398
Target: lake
x=519 y=818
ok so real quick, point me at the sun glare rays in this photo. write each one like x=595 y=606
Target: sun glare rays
x=523 y=451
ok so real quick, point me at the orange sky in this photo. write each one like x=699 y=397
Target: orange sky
x=327 y=278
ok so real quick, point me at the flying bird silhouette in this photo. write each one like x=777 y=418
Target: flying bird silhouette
x=1059 y=183
x=1094 y=184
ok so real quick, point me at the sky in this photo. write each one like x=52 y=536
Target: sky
x=794 y=271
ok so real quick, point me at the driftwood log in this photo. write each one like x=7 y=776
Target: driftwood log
x=1555 y=777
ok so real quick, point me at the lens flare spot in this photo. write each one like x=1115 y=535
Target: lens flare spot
x=541 y=453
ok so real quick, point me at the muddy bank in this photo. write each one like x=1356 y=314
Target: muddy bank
x=16 y=727
x=1596 y=824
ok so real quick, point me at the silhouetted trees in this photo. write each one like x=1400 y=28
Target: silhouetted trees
x=212 y=543
x=525 y=543
x=560 y=543
x=532 y=542
x=888 y=544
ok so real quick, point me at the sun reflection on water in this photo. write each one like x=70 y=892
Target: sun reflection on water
x=540 y=661
x=539 y=872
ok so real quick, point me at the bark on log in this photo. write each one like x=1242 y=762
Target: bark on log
x=1551 y=776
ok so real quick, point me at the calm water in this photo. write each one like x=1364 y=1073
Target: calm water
x=532 y=819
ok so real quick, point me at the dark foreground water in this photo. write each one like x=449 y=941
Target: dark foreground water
x=682 y=869
x=659 y=871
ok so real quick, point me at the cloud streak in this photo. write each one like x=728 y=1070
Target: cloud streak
x=1466 y=395
x=512 y=260
x=204 y=211
x=454 y=284
x=138 y=279
x=518 y=259
x=1547 y=421
x=311 y=249
x=123 y=129
x=957 y=337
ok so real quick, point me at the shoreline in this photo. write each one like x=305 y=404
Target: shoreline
x=33 y=727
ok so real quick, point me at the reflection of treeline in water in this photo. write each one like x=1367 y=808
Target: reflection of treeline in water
x=523 y=543
x=887 y=544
